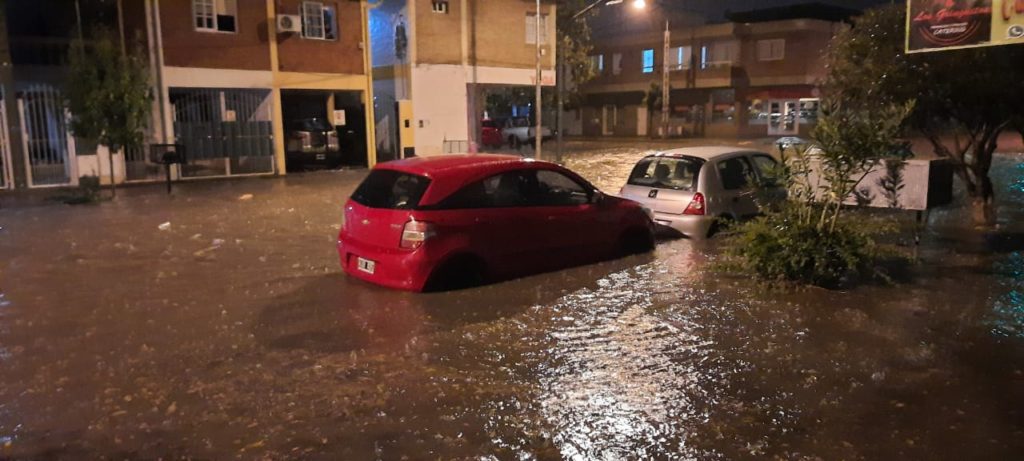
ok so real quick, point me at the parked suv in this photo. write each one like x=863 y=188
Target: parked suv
x=459 y=220
x=311 y=142
x=692 y=190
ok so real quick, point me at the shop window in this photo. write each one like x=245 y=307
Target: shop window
x=439 y=6
x=809 y=109
x=723 y=109
x=597 y=64
x=723 y=113
x=757 y=112
x=215 y=15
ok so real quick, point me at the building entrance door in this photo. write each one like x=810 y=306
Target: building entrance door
x=783 y=117
x=609 y=118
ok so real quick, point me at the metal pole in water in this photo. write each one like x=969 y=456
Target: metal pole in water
x=537 y=135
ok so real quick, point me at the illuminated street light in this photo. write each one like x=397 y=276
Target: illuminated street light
x=639 y=4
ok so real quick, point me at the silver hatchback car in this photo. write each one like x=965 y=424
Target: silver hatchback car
x=692 y=189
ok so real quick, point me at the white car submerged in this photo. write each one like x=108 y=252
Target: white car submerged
x=692 y=190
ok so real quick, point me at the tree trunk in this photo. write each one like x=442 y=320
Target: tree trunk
x=972 y=166
x=650 y=123
x=983 y=201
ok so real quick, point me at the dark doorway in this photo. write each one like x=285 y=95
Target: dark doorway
x=323 y=129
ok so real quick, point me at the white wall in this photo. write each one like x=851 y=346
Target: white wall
x=439 y=107
x=99 y=165
x=441 y=99
x=195 y=77
x=571 y=126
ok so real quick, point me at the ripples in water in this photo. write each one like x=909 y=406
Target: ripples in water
x=627 y=376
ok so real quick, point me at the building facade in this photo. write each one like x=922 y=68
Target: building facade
x=434 y=62
x=756 y=75
x=230 y=79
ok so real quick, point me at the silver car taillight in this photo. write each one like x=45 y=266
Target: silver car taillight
x=697 y=205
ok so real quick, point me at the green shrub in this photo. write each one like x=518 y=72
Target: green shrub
x=781 y=246
x=811 y=238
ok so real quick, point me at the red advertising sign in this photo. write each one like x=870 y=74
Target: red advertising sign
x=949 y=24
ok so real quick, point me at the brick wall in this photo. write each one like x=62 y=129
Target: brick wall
x=340 y=56
x=245 y=49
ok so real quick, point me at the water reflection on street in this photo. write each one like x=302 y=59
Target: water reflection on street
x=234 y=335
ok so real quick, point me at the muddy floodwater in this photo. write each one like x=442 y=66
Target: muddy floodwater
x=214 y=324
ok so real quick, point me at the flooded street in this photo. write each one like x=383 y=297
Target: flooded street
x=231 y=333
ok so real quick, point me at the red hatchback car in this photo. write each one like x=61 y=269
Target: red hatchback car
x=490 y=133
x=453 y=221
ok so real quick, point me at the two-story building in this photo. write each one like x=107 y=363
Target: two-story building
x=434 y=61
x=755 y=75
x=233 y=81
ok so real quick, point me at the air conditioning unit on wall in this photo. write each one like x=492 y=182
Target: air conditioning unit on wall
x=289 y=23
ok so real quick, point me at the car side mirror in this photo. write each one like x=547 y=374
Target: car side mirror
x=597 y=198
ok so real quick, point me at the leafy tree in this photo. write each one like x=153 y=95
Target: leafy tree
x=809 y=238
x=108 y=93
x=964 y=98
x=574 y=44
x=652 y=102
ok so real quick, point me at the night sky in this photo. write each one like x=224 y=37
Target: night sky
x=716 y=9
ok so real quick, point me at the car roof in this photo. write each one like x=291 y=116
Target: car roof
x=449 y=172
x=706 y=152
x=453 y=164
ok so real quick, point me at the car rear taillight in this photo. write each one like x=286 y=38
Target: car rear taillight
x=415 y=233
x=696 y=206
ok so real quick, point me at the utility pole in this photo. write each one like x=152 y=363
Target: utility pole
x=664 y=84
x=560 y=104
x=9 y=103
x=537 y=137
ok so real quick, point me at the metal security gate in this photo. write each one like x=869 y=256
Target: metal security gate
x=225 y=131
x=5 y=145
x=46 y=138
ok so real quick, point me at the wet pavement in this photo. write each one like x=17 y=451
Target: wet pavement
x=233 y=334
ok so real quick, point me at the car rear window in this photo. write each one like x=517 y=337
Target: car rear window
x=391 y=189
x=667 y=173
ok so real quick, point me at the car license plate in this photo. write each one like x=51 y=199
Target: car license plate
x=321 y=156
x=365 y=265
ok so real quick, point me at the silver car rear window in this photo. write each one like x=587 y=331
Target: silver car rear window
x=679 y=173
